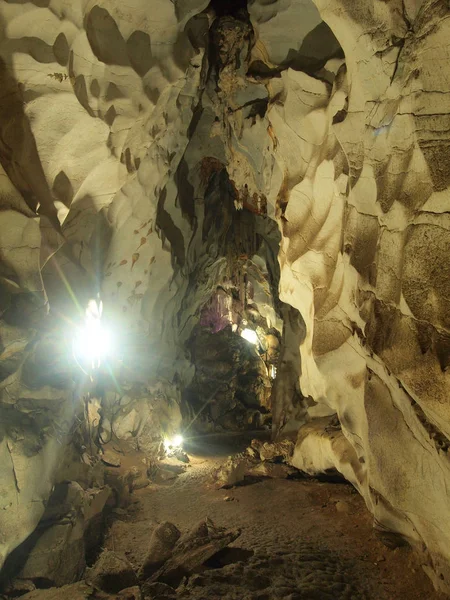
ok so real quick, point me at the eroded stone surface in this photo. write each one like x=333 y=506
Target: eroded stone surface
x=141 y=149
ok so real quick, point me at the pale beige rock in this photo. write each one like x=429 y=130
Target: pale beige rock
x=98 y=138
x=162 y=541
x=231 y=472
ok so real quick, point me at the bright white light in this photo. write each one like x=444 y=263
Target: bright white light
x=178 y=440
x=92 y=342
x=173 y=444
x=273 y=371
x=250 y=335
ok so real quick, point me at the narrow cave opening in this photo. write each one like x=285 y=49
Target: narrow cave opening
x=235 y=345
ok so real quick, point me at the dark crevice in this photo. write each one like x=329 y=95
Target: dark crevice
x=232 y=8
x=168 y=230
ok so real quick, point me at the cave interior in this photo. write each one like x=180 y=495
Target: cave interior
x=224 y=299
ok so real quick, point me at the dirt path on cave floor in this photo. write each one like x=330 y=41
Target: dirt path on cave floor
x=310 y=539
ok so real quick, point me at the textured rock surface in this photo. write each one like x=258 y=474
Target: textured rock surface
x=70 y=531
x=77 y=591
x=111 y=573
x=193 y=549
x=161 y=544
x=148 y=153
x=316 y=572
x=375 y=205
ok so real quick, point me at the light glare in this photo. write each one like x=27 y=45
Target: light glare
x=174 y=443
x=250 y=335
x=178 y=440
x=92 y=342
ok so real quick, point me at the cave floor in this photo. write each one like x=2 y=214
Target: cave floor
x=310 y=539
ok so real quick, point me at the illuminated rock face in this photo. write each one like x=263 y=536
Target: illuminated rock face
x=96 y=101
x=120 y=124
x=365 y=239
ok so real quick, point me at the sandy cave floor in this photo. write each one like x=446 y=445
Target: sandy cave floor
x=301 y=539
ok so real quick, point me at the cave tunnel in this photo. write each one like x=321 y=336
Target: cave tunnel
x=224 y=300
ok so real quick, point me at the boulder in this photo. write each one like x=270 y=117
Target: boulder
x=111 y=458
x=162 y=542
x=94 y=518
x=131 y=593
x=274 y=451
x=193 y=549
x=232 y=472
x=56 y=550
x=166 y=470
x=111 y=573
x=58 y=557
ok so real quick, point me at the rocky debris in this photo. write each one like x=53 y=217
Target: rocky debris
x=231 y=472
x=75 y=591
x=158 y=591
x=121 y=484
x=111 y=573
x=273 y=451
x=193 y=549
x=166 y=469
x=181 y=455
x=135 y=479
x=120 y=513
x=390 y=539
x=261 y=459
x=272 y=470
x=172 y=464
x=111 y=458
x=162 y=542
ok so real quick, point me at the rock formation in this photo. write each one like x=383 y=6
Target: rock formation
x=290 y=156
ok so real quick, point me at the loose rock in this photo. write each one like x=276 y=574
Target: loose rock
x=193 y=549
x=232 y=472
x=131 y=593
x=112 y=573
x=158 y=590
x=110 y=458
x=342 y=506
x=76 y=591
x=162 y=542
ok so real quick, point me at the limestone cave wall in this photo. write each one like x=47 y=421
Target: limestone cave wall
x=130 y=137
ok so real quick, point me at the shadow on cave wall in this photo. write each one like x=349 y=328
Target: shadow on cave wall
x=19 y=156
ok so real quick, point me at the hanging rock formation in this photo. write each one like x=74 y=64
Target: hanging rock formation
x=138 y=149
